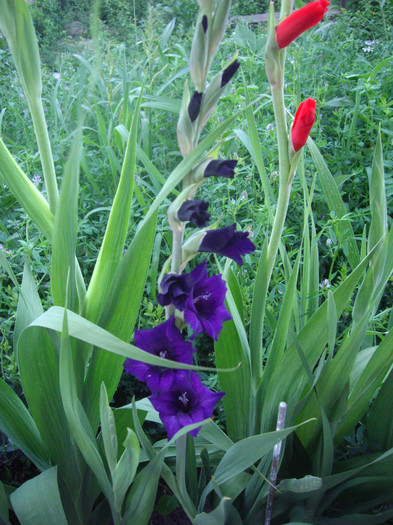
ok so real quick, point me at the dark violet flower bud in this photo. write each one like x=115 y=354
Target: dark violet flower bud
x=194 y=106
x=226 y=241
x=229 y=72
x=194 y=211
x=165 y=340
x=204 y=23
x=175 y=290
x=186 y=402
x=220 y=168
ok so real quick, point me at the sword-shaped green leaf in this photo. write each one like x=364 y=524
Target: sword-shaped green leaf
x=111 y=250
x=38 y=501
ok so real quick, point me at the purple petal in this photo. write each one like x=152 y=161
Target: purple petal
x=188 y=401
x=194 y=211
x=229 y=72
x=175 y=289
x=165 y=340
x=194 y=106
x=226 y=241
x=220 y=168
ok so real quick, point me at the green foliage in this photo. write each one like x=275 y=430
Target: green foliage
x=327 y=333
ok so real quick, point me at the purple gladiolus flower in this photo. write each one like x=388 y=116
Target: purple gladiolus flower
x=194 y=211
x=204 y=309
x=175 y=290
x=165 y=340
x=226 y=241
x=220 y=168
x=188 y=401
x=199 y=297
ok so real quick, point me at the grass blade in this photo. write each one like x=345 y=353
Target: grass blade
x=335 y=203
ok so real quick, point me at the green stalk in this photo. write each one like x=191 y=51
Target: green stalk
x=278 y=225
x=177 y=241
x=282 y=133
x=275 y=63
x=278 y=222
x=48 y=168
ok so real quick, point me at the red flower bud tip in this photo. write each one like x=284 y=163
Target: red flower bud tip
x=299 y=21
x=304 y=120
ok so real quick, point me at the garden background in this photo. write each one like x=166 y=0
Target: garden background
x=345 y=64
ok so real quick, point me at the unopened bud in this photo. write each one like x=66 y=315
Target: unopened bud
x=214 y=92
x=184 y=125
x=194 y=211
x=229 y=72
x=194 y=106
x=220 y=168
x=198 y=173
x=272 y=52
x=174 y=220
x=220 y=19
x=199 y=51
x=17 y=27
x=204 y=24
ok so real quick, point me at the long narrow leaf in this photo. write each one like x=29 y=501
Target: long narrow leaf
x=118 y=316
x=38 y=501
x=39 y=370
x=287 y=380
x=76 y=418
x=65 y=231
x=335 y=203
x=16 y=423
x=25 y=192
x=115 y=234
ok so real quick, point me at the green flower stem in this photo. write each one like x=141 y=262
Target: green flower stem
x=278 y=225
x=177 y=241
x=275 y=70
x=48 y=168
x=274 y=242
x=286 y=8
x=282 y=132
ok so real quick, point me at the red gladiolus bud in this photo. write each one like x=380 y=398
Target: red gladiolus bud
x=304 y=120
x=299 y=21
